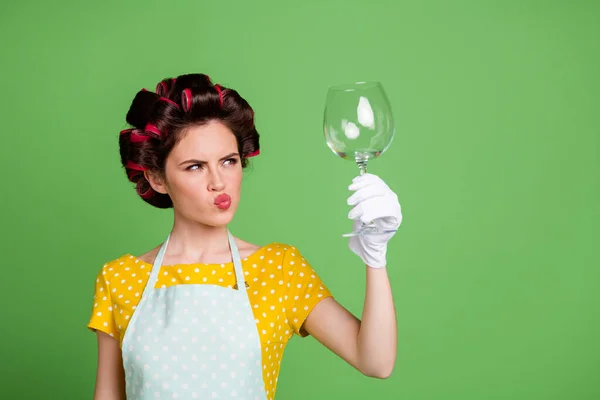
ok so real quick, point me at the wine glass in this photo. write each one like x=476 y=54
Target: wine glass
x=359 y=127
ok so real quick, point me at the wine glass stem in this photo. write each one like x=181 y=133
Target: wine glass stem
x=362 y=166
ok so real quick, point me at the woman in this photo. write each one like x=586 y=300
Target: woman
x=206 y=315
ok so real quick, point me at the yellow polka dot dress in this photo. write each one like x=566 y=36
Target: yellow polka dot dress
x=283 y=289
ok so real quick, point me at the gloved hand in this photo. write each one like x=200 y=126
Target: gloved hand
x=373 y=201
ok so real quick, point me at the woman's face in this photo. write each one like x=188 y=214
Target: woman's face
x=204 y=175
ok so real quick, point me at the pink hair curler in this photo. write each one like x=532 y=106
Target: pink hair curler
x=218 y=89
x=161 y=89
x=186 y=99
x=134 y=166
x=132 y=174
x=147 y=194
x=137 y=137
x=152 y=129
x=253 y=154
x=169 y=101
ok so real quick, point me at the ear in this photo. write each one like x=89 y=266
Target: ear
x=156 y=181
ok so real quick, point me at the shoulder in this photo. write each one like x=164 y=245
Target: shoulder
x=149 y=256
x=282 y=254
x=118 y=266
x=268 y=252
x=247 y=249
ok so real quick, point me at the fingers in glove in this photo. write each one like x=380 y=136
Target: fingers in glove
x=356 y=212
x=367 y=210
x=376 y=208
x=365 y=180
x=367 y=193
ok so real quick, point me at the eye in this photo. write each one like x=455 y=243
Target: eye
x=194 y=167
x=230 y=161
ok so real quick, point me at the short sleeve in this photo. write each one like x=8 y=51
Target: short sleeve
x=304 y=289
x=102 y=316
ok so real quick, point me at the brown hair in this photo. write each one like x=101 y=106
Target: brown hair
x=158 y=120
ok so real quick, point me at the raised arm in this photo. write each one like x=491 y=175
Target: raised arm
x=369 y=345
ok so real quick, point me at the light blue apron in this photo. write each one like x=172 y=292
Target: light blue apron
x=193 y=341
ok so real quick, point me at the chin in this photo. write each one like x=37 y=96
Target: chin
x=222 y=219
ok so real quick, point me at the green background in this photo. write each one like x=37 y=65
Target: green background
x=496 y=162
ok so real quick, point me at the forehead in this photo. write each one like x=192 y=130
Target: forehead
x=206 y=142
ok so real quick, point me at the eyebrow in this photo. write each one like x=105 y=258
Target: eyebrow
x=195 y=161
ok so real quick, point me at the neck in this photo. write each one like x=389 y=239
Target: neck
x=192 y=242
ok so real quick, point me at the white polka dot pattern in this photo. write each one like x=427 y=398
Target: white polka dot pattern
x=193 y=341
x=274 y=273
x=192 y=351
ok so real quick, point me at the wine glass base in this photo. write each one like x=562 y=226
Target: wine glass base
x=369 y=231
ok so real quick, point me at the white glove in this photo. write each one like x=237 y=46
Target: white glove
x=373 y=201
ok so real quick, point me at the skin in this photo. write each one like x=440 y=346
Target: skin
x=203 y=165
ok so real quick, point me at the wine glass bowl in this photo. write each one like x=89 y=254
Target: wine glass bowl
x=359 y=126
x=358 y=122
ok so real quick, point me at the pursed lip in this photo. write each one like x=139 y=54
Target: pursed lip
x=223 y=201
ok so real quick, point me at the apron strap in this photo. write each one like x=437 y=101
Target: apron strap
x=237 y=265
x=235 y=255
x=156 y=267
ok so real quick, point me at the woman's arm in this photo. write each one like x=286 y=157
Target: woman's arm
x=110 y=376
x=369 y=346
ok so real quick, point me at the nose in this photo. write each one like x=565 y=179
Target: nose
x=215 y=181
